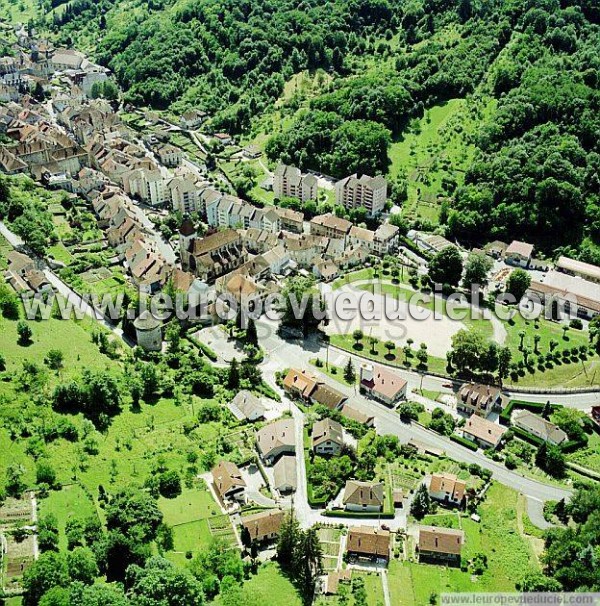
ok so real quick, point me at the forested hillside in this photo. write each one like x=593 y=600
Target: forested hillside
x=535 y=163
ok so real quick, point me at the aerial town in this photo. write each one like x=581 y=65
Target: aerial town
x=261 y=459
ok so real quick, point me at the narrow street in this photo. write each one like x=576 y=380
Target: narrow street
x=62 y=288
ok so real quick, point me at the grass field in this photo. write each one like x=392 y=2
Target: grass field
x=509 y=551
x=202 y=522
x=18 y=12
x=438 y=146
x=69 y=502
x=379 y=353
x=268 y=586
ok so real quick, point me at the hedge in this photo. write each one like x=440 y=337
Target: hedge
x=412 y=246
x=573 y=445
x=528 y=437
x=464 y=442
x=536 y=407
x=266 y=390
x=205 y=349
x=359 y=515
x=312 y=500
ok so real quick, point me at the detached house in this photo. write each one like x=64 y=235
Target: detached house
x=284 y=474
x=228 y=481
x=382 y=384
x=447 y=489
x=264 y=526
x=245 y=406
x=474 y=398
x=539 y=427
x=363 y=496
x=327 y=437
x=483 y=432
x=276 y=439
x=369 y=543
x=519 y=254
x=193 y=119
x=300 y=383
x=440 y=545
x=169 y=155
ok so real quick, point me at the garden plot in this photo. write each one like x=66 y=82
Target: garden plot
x=19 y=550
x=331 y=540
x=220 y=528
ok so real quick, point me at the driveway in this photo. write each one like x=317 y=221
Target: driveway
x=254 y=482
x=535 y=511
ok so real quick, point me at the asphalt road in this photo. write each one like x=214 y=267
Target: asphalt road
x=283 y=354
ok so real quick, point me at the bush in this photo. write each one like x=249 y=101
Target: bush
x=464 y=442
x=576 y=323
x=535 y=407
x=528 y=437
x=357 y=514
x=169 y=484
x=205 y=349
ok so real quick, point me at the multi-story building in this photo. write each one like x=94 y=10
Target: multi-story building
x=367 y=192
x=147 y=185
x=185 y=196
x=330 y=226
x=289 y=182
x=215 y=255
x=169 y=155
x=291 y=220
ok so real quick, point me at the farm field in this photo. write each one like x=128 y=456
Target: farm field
x=330 y=543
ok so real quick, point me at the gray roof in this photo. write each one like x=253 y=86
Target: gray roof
x=285 y=472
x=327 y=430
x=246 y=405
x=546 y=429
x=146 y=321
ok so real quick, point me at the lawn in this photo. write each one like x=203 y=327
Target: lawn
x=69 y=502
x=189 y=506
x=510 y=556
x=373 y=587
x=19 y=12
x=378 y=353
x=565 y=373
x=268 y=586
x=59 y=252
x=444 y=519
x=590 y=456
x=72 y=337
x=330 y=543
x=439 y=145
x=335 y=372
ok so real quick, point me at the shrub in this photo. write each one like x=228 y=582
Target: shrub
x=464 y=442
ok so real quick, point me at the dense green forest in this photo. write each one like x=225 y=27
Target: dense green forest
x=535 y=172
